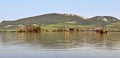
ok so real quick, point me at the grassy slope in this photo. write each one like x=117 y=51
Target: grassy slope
x=114 y=26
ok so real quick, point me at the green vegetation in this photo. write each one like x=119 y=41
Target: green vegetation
x=55 y=21
x=102 y=20
x=8 y=28
x=114 y=26
x=67 y=26
x=55 y=18
x=46 y=19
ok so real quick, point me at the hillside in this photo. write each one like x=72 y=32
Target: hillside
x=102 y=20
x=114 y=26
x=52 y=18
x=55 y=18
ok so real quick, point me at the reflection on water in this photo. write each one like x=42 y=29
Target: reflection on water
x=61 y=40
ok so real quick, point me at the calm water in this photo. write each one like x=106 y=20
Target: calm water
x=59 y=45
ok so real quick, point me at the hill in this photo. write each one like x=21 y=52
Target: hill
x=102 y=20
x=55 y=18
x=52 y=18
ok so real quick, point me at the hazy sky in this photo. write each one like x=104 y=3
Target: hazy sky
x=16 y=9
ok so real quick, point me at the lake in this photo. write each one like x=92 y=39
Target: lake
x=59 y=45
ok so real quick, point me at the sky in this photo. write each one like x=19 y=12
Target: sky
x=17 y=9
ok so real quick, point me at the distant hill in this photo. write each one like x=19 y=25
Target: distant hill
x=55 y=18
x=52 y=18
x=102 y=20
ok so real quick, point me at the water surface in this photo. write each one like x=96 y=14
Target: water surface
x=59 y=45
